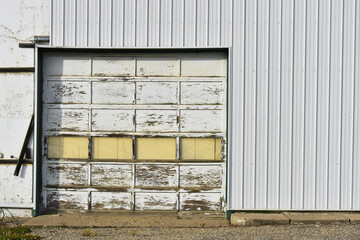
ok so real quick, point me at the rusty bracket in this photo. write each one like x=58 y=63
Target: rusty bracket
x=23 y=149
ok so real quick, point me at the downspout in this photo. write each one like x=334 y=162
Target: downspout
x=37 y=136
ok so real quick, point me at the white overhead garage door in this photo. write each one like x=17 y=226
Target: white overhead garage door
x=134 y=131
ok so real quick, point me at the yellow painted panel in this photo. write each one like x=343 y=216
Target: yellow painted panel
x=126 y=148
x=201 y=148
x=205 y=149
x=68 y=147
x=112 y=148
x=53 y=147
x=156 y=148
x=188 y=148
x=218 y=149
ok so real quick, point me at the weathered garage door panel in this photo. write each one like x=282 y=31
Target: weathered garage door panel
x=201 y=176
x=112 y=92
x=154 y=200
x=196 y=67
x=134 y=131
x=202 y=93
x=111 y=200
x=105 y=120
x=62 y=199
x=67 y=65
x=202 y=121
x=67 y=119
x=156 y=92
x=211 y=201
x=159 y=66
x=156 y=120
x=116 y=176
x=71 y=92
x=156 y=176
x=113 y=66
x=67 y=175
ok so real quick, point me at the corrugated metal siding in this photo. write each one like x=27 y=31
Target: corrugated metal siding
x=147 y=23
x=294 y=114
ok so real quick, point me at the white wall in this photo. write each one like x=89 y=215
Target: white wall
x=20 y=21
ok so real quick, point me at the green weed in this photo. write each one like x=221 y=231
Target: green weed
x=17 y=233
x=88 y=233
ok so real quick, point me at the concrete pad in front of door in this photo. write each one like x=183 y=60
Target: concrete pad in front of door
x=127 y=220
x=316 y=218
x=257 y=219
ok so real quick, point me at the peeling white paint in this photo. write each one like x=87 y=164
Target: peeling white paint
x=140 y=103
x=158 y=66
x=202 y=121
x=15 y=190
x=67 y=175
x=158 y=201
x=113 y=66
x=156 y=120
x=156 y=92
x=70 y=92
x=112 y=120
x=16 y=107
x=67 y=64
x=116 y=176
x=67 y=119
x=113 y=92
x=111 y=201
x=20 y=21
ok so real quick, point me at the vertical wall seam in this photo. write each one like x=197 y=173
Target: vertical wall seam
x=63 y=23
x=244 y=105
x=99 y=22
x=219 y=23
x=195 y=21
x=354 y=103
x=134 y=24
x=111 y=22
x=123 y=25
x=353 y=113
x=51 y=22
x=172 y=24
x=183 y=21
x=328 y=155
x=255 y=97
x=208 y=23
x=87 y=25
x=317 y=104
x=220 y=17
x=159 y=25
x=147 y=22
x=267 y=110
x=243 y=93
x=304 y=97
x=280 y=112
x=341 y=101
x=75 y=23
x=292 y=102
x=230 y=126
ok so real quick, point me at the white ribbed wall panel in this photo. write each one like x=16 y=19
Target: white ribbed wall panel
x=294 y=91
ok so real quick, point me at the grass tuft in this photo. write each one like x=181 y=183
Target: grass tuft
x=88 y=233
x=17 y=233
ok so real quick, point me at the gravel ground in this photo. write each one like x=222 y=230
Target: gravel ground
x=343 y=231
x=333 y=231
